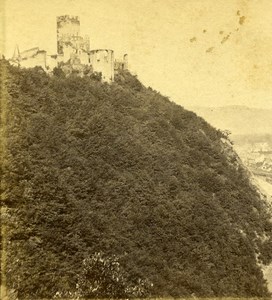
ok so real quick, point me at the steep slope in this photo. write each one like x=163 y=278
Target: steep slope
x=114 y=191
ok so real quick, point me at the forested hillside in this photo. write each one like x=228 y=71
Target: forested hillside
x=114 y=191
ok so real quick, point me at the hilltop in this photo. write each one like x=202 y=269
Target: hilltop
x=114 y=191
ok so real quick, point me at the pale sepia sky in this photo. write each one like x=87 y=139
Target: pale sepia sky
x=198 y=52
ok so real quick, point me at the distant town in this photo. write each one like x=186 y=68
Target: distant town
x=258 y=158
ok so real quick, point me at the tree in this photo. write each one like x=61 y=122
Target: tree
x=58 y=72
x=102 y=276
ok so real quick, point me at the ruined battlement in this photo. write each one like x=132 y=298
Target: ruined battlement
x=68 y=18
x=102 y=61
x=73 y=50
x=121 y=64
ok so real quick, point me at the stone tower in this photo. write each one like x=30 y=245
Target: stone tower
x=68 y=31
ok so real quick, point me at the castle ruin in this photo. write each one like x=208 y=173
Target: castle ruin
x=73 y=53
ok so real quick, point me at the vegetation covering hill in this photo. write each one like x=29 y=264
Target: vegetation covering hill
x=114 y=191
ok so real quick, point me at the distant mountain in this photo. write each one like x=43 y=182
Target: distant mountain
x=240 y=120
x=113 y=191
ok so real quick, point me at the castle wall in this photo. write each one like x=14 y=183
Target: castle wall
x=84 y=58
x=102 y=60
x=29 y=53
x=121 y=64
x=39 y=59
x=51 y=62
x=78 y=42
x=86 y=41
x=68 y=51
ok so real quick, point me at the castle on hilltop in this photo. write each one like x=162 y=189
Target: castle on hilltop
x=73 y=53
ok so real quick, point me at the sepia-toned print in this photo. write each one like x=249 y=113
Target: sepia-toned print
x=136 y=149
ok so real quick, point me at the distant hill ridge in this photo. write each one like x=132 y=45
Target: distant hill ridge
x=238 y=119
x=113 y=191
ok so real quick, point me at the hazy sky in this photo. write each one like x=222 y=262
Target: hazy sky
x=198 y=52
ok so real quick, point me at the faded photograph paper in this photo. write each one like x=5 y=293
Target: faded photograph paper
x=136 y=149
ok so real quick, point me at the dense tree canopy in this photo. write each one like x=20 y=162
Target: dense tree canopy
x=114 y=191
